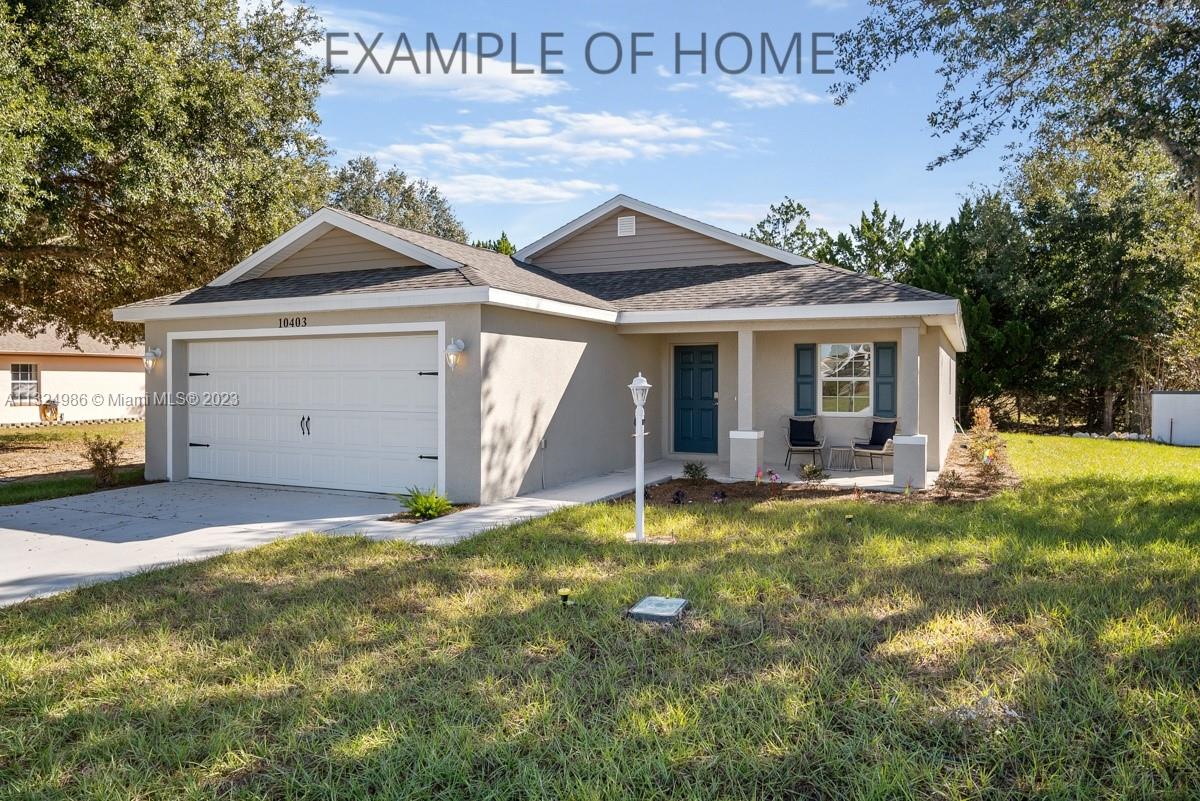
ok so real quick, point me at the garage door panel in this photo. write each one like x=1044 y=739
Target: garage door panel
x=370 y=415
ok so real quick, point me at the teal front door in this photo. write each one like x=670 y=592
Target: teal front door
x=696 y=399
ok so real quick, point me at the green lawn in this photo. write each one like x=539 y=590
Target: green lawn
x=72 y=435
x=46 y=488
x=1043 y=643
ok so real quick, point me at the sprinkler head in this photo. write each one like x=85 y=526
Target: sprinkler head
x=849 y=520
x=564 y=596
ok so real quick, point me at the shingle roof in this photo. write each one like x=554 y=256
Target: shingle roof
x=488 y=268
x=742 y=286
x=706 y=287
x=350 y=282
x=46 y=342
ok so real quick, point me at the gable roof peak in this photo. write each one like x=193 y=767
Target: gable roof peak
x=619 y=201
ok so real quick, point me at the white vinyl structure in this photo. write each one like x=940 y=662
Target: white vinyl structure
x=350 y=413
x=1175 y=417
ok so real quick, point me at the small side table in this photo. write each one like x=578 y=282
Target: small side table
x=841 y=457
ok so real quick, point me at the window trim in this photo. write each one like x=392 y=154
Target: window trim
x=869 y=411
x=13 y=381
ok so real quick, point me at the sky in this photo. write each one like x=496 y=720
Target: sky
x=525 y=153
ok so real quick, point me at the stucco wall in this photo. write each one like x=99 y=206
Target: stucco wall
x=87 y=387
x=462 y=454
x=775 y=389
x=562 y=382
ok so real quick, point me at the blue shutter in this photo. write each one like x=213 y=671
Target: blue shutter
x=806 y=380
x=885 y=379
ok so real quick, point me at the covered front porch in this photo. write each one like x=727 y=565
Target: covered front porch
x=726 y=394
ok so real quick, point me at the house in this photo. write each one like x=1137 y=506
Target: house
x=87 y=381
x=353 y=354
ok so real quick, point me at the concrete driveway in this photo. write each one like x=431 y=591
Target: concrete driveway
x=50 y=546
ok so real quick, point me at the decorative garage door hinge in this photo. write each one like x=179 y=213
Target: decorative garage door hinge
x=197 y=445
x=423 y=456
x=427 y=372
x=196 y=374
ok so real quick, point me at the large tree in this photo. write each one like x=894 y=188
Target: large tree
x=1107 y=65
x=146 y=145
x=362 y=187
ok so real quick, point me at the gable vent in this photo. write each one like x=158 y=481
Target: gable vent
x=626 y=226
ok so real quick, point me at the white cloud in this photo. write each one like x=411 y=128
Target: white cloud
x=766 y=92
x=556 y=135
x=482 y=188
x=828 y=4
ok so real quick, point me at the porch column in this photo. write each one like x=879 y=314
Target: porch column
x=746 y=443
x=908 y=391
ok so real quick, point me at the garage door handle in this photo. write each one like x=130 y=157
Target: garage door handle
x=197 y=445
x=304 y=425
x=423 y=456
x=427 y=372
x=193 y=375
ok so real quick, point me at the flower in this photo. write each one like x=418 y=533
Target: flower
x=758 y=476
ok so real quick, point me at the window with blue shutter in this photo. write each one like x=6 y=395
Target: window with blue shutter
x=806 y=380
x=885 y=379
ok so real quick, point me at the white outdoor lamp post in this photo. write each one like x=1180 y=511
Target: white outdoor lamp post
x=640 y=388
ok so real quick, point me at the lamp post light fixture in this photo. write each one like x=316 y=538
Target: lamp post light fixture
x=151 y=356
x=454 y=352
x=640 y=389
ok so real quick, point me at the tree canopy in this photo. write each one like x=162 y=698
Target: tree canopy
x=1108 y=66
x=362 y=187
x=1079 y=278
x=146 y=146
x=501 y=245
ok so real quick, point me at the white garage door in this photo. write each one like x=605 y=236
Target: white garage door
x=357 y=413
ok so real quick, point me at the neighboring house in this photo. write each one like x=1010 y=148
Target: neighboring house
x=91 y=381
x=340 y=340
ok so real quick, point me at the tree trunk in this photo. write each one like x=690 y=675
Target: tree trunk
x=1110 y=399
x=1062 y=415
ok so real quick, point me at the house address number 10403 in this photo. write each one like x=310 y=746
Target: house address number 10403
x=293 y=322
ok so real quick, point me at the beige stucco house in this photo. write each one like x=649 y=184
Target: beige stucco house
x=87 y=381
x=353 y=354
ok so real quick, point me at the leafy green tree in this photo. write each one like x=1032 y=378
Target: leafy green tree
x=786 y=226
x=146 y=146
x=1080 y=68
x=362 y=187
x=877 y=246
x=1113 y=243
x=501 y=245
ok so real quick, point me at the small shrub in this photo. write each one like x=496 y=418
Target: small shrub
x=426 y=504
x=696 y=471
x=981 y=420
x=949 y=482
x=679 y=498
x=812 y=474
x=103 y=454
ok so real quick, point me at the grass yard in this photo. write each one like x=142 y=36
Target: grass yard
x=41 y=450
x=43 y=489
x=1045 y=642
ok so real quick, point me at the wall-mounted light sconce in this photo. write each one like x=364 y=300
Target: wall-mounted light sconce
x=151 y=356
x=454 y=352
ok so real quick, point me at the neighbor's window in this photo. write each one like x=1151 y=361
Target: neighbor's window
x=24 y=391
x=845 y=372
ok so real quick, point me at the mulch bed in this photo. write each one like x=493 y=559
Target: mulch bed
x=972 y=485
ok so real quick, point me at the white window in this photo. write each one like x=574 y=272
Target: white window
x=24 y=389
x=845 y=376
